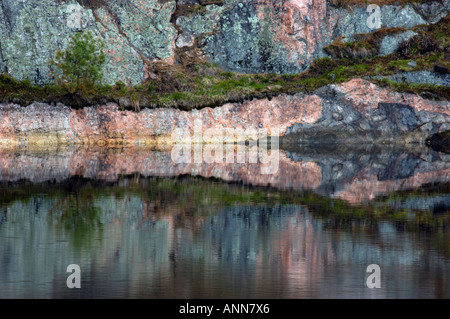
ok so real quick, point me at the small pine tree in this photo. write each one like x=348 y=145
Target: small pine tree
x=80 y=65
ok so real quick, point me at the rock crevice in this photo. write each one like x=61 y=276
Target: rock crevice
x=246 y=36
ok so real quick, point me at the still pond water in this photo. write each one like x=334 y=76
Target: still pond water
x=141 y=226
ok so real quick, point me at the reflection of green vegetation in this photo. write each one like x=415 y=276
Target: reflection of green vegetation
x=76 y=213
x=78 y=206
x=428 y=190
x=78 y=216
x=441 y=241
x=211 y=193
x=22 y=191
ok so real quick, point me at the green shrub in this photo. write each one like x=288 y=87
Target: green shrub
x=227 y=74
x=79 y=67
x=120 y=88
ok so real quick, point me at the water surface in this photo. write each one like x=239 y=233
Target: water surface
x=141 y=226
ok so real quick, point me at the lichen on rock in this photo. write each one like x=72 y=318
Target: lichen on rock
x=286 y=36
x=32 y=31
x=247 y=36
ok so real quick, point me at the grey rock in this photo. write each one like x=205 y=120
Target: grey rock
x=412 y=64
x=185 y=40
x=391 y=17
x=244 y=43
x=391 y=43
x=237 y=36
x=32 y=31
x=433 y=11
x=419 y=77
x=342 y=123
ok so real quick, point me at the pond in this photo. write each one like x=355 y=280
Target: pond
x=139 y=225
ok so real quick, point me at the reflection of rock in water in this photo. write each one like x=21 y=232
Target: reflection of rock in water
x=373 y=163
x=354 y=173
x=259 y=250
x=442 y=207
x=440 y=142
x=438 y=204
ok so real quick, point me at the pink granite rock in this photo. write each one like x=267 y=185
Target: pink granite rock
x=356 y=110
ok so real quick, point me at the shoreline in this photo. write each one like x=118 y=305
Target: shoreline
x=356 y=111
x=298 y=169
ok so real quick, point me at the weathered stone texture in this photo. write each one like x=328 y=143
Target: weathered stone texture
x=251 y=36
x=359 y=111
x=286 y=36
x=354 y=112
x=134 y=32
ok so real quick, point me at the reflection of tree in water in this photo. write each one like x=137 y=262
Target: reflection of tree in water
x=193 y=237
x=77 y=215
x=2 y=215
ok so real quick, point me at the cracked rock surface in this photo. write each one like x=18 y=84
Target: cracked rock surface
x=246 y=36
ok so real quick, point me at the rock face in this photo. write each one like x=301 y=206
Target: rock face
x=286 y=36
x=253 y=36
x=391 y=43
x=106 y=124
x=134 y=32
x=419 y=77
x=354 y=112
x=359 y=111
